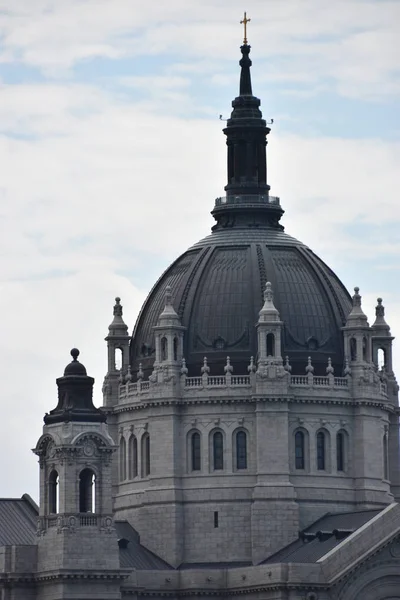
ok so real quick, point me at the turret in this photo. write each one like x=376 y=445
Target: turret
x=169 y=340
x=357 y=335
x=118 y=355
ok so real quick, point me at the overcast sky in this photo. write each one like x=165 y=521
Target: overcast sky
x=111 y=156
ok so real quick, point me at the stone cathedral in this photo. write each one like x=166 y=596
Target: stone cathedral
x=248 y=443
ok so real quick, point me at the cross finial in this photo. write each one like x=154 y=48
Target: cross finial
x=244 y=22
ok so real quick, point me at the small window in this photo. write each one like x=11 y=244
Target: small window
x=164 y=349
x=381 y=358
x=385 y=458
x=146 y=455
x=340 y=451
x=321 y=451
x=118 y=359
x=196 y=451
x=218 y=451
x=299 y=450
x=87 y=490
x=270 y=344
x=353 y=349
x=241 y=450
x=365 y=349
x=176 y=348
x=133 y=457
x=216 y=523
x=122 y=459
x=53 y=492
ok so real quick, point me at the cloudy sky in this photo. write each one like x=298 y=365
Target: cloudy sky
x=111 y=155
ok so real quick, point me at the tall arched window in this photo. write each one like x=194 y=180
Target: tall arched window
x=241 y=450
x=53 y=492
x=320 y=451
x=118 y=359
x=340 y=450
x=122 y=459
x=196 y=451
x=145 y=455
x=176 y=348
x=164 y=348
x=133 y=457
x=353 y=349
x=381 y=358
x=87 y=489
x=270 y=344
x=299 y=450
x=385 y=458
x=365 y=349
x=218 y=451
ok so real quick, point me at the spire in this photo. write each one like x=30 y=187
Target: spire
x=118 y=325
x=380 y=323
x=247 y=197
x=357 y=315
x=268 y=312
x=169 y=314
x=75 y=396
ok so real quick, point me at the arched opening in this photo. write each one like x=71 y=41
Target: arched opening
x=241 y=450
x=353 y=349
x=381 y=358
x=218 y=451
x=270 y=344
x=133 y=457
x=299 y=450
x=385 y=458
x=118 y=359
x=146 y=455
x=176 y=343
x=365 y=349
x=321 y=451
x=340 y=451
x=196 y=451
x=164 y=349
x=87 y=491
x=54 y=492
x=122 y=459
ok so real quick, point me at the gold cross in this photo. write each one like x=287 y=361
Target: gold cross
x=244 y=22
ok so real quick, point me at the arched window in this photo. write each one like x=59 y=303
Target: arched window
x=353 y=349
x=385 y=458
x=122 y=459
x=299 y=450
x=365 y=349
x=218 y=451
x=87 y=489
x=164 y=348
x=53 y=492
x=196 y=451
x=175 y=348
x=241 y=450
x=118 y=359
x=340 y=451
x=133 y=457
x=145 y=455
x=381 y=358
x=270 y=344
x=321 y=451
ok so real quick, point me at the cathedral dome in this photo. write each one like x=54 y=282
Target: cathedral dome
x=217 y=284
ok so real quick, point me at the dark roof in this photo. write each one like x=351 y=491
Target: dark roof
x=215 y=565
x=132 y=554
x=18 y=517
x=321 y=537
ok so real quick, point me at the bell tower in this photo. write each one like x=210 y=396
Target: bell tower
x=77 y=545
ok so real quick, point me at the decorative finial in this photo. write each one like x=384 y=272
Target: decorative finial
x=287 y=366
x=74 y=353
x=380 y=309
x=168 y=295
x=117 y=307
x=268 y=293
x=205 y=369
x=184 y=369
x=329 y=369
x=252 y=367
x=356 y=297
x=347 y=369
x=309 y=367
x=129 y=375
x=228 y=367
x=140 y=373
x=244 y=22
